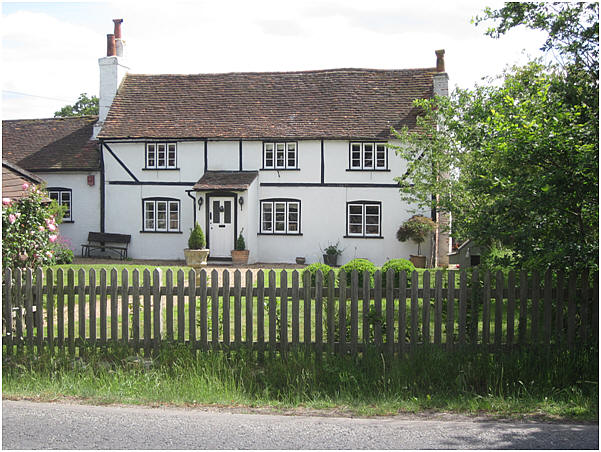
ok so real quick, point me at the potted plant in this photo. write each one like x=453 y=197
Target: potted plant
x=240 y=253
x=331 y=253
x=416 y=228
x=196 y=253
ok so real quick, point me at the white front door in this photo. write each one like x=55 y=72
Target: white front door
x=221 y=226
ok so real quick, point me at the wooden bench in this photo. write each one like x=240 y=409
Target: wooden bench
x=100 y=240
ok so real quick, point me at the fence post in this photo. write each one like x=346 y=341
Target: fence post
x=318 y=313
x=29 y=322
x=331 y=307
x=19 y=303
x=103 y=309
x=261 y=310
x=49 y=309
x=203 y=315
x=60 y=305
x=390 y=276
x=71 y=310
x=115 y=306
x=366 y=278
x=450 y=327
x=7 y=295
x=414 y=309
x=307 y=310
x=93 y=307
x=342 y=283
x=378 y=309
x=125 y=307
x=215 y=309
x=272 y=311
x=354 y=311
x=156 y=305
x=295 y=309
x=238 y=308
x=168 y=303
x=147 y=311
x=226 y=308
x=192 y=305
x=284 y=310
x=249 y=309
x=136 y=309
x=437 y=307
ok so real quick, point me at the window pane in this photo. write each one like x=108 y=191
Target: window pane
x=150 y=155
x=173 y=216
x=372 y=230
x=161 y=215
x=267 y=216
x=53 y=195
x=268 y=155
x=280 y=217
x=216 y=213
x=161 y=155
x=355 y=229
x=227 y=214
x=279 y=157
x=149 y=215
x=356 y=209
x=368 y=155
x=372 y=209
x=291 y=163
x=171 y=156
x=293 y=209
x=355 y=155
x=380 y=156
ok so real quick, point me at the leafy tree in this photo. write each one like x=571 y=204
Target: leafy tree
x=84 y=106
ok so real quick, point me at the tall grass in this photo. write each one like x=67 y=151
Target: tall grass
x=522 y=382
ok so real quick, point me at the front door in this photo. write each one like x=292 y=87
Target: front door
x=221 y=226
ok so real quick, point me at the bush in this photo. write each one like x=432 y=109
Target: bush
x=240 y=243
x=197 y=238
x=416 y=228
x=398 y=266
x=361 y=265
x=325 y=269
x=62 y=253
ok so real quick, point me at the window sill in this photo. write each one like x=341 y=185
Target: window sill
x=362 y=236
x=161 y=232
x=67 y=221
x=280 y=169
x=279 y=233
x=384 y=170
x=160 y=169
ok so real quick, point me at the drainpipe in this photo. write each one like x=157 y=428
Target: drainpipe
x=193 y=205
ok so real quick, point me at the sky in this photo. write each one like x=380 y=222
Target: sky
x=50 y=50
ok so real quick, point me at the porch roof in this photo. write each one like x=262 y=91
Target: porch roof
x=226 y=180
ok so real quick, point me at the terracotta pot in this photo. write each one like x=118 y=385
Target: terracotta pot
x=240 y=257
x=418 y=261
x=196 y=258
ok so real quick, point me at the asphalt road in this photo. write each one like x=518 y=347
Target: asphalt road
x=31 y=425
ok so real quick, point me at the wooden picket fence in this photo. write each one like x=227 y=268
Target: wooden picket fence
x=48 y=311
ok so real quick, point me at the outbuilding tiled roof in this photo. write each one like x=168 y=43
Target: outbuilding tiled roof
x=337 y=103
x=13 y=178
x=51 y=144
x=226 y=180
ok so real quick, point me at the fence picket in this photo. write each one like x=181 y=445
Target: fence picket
x=156 y=309
x=17 y=296
x=535 y=334
x=192 y=278
x=168 y=304
x=331 y=309
x=249 y=309
x=39 y=312
x=307 y=310
x=402 y=312
x=49 y=308
x=595 y=316
x=103 y=310
x=486 y=310
x=146 y=293
x=523 y=326
x=181 y=308
x=71 y=311
x=584 y=301
x=284 y=310
x=115 y=306
x=261 y=308
x=499 y=309
x=92 y=304
x=559 y=308
x=426 y=308
x=295 y=309
x=475 y=311
x=7 y=296
x=390 y=277
x=272 y=308
x=450 y=327
x=547 y=308
x=437 y=307
x=203 y=315
x=60 y=308
x=215 y=309
x=414 y=309
x=125 y=305
x=135 y=326
x=354 y=311
x=378 y=309
x=238 y=307
x=81 y=304
x=342 y=297
x=571 y=309
x=29 y=322
x=510 y=308
x=365 y=277
x=319 y=313
x=462 y=307
x=226 y=308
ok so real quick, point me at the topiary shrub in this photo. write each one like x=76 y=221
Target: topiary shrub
x=398 y=266
x=240 y=243
x=361 y=265
x=325 y=269
x=197 y=238
x=416 y=228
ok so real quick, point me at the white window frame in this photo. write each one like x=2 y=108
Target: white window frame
x=159 y=203
x=363 y=205
x=166 y=153
x=276 y=155
x=272 y=205
x=377 y=149
x=62 y=201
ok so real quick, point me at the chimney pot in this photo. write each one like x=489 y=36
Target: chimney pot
x=439 y=60
x=118 y=23
x=110 y=45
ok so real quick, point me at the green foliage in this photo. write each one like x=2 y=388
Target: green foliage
x=240 y=244
x=84 y=106
x=197 y=238
x=416 y=228
x=325 y=270
x=398 y=266
x=333 y=250
x=361 y=265
x=29 y=229
x=62 y=253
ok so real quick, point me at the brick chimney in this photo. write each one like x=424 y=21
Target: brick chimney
x=112 y=71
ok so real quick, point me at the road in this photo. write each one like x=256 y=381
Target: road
x=32 y=425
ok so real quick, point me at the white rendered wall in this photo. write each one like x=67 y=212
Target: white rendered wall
x=85 y=205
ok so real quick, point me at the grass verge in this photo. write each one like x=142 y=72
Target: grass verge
x=563 y=385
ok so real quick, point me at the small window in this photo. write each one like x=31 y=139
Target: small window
x=161 y=215
x=280 y=156
x=63 y=197
x=368 y=156
x=280 y=216
x=364 y=219
x=161 y=156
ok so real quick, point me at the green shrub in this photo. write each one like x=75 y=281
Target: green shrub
x=62 y=253
x=240 y=244
x=398 y=266
x=197 y=238
x=325 y=269
x=361 y=265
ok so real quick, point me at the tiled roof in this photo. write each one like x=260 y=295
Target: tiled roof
x=51 y=144
x=13 y=179
x=226 y=180
x=337 y=103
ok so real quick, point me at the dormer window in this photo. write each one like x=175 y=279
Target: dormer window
x=280 y=156
x=368 y=156
x=161 y=156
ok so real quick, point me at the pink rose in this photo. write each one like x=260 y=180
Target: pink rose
x=25 y=186
x=11 y=218
x=53 y=238
x=48 y=253
x=41 y=228
x=52 y=227
x=6 y=201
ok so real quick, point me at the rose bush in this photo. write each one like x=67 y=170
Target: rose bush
x=29 y=230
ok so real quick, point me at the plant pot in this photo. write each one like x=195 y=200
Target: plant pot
x=418 y=261
x=196 y=258
x=300 y=260
x=330 y=259
x=240 y=257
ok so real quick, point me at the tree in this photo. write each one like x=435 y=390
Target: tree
x=84 y=106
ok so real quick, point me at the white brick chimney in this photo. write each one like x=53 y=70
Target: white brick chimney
x=112 y=71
